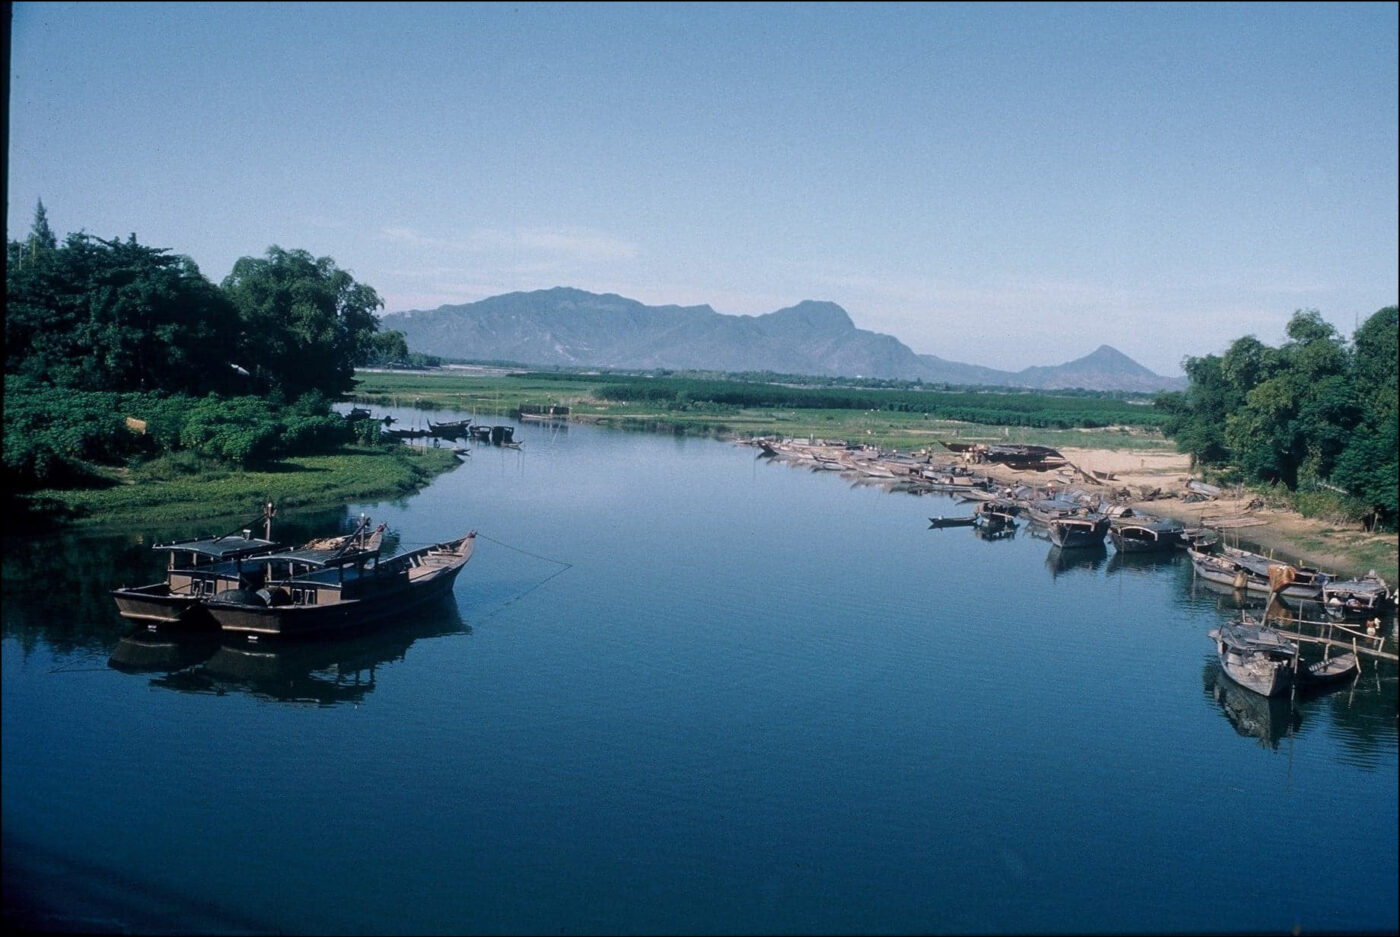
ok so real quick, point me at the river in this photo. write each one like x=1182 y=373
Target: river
x=683 y=689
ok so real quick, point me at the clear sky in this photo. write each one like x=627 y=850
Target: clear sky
x=998 y=184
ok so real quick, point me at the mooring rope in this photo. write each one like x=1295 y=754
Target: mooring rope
x=563 y=568
x=527 y=552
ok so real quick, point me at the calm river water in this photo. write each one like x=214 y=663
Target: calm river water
x=683 y=689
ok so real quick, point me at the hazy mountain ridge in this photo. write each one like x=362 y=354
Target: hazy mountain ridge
x=567 y=327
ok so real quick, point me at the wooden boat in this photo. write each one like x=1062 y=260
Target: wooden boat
x=1330 y=670
x=1357 y=598
x=196 y=569
x=967 y=521
x=1146 y=535
x=1044 y=510
x=452 y=429
x=1250 y=572
x=1087 y=530
x=1255 y=656
x=1023 y=457
x=995 y=515
x=1268 y=719
x=199 y=569
x=306 y=594
x=406 y=433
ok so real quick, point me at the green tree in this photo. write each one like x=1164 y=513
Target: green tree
x=303 y=322
x=386 y=348
x=113 y=316
x=1369 y=464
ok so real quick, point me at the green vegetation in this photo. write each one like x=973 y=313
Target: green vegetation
x=902 y=418
x=131 y=381
x=162 y=494
x=1315 y=418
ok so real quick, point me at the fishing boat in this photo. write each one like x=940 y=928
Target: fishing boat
x=452 y=429
x=1146 y=535
x=995 y=515
x=967 y=521
x=1255 y=656
x=307 y=593
x=196 y=568
x=1330 y=670
x=1250 y=572
x=201 y=568
x=1357 y=598
x=1086 y=530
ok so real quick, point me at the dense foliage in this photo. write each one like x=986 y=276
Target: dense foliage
x=119 y=355
x=1315 y=412
x=1025 y=408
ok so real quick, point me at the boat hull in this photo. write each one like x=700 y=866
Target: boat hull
x=1226 y=573
x=1070 y=533
x=297 y=607
x=155 y=604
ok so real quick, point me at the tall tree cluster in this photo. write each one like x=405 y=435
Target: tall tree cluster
x=1316 y=410
x=115 y=315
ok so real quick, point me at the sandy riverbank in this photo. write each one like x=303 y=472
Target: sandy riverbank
x=1346 y=550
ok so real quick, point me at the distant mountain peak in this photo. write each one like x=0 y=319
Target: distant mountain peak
x=814 y=314
x=569 y=327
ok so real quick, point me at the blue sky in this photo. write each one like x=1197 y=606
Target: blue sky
x=999 y=184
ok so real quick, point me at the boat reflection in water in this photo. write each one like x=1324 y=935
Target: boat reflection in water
x=144 y=651
x=1143 y=562
x=324 y=671
x=1227 y=596
x=1069 y=559
x=1268 y=719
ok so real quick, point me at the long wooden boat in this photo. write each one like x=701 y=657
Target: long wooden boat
x=1255 y=656
x=960 y=521
x=195 y=568
x=306 y=594
x=1147 y=535
x=1357 y=598
x=452 y=429
x=1249 y=572
x=1086 y=530
x=995 y=515
x=200 y=568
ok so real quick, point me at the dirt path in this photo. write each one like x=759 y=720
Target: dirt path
x=1345 y=550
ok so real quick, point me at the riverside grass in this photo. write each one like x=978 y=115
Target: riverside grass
x=357 y=473
x=493 y=394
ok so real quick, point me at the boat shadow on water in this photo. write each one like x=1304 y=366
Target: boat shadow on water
x=1070 y=559
x=1267 y=719
x=325 y=671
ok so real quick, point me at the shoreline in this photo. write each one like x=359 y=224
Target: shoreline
x=1286 y=535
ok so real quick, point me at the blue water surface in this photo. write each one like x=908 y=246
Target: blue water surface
x=681 y=689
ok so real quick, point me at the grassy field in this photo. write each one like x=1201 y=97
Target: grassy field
x=493 y=394
x=360 y=473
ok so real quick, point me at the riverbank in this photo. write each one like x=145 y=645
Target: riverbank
x=358 y=473
x=1156 y=483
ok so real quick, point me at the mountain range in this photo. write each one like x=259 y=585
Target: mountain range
x=565 y=327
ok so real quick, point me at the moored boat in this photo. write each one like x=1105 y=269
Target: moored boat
x=1145 y=535
x=201 y=568
x=1087 y=530
x=196 y=568
x=308 y=594
x=1256 y=656
x=1357 y=598
x=1250 y=572
x=452 y=429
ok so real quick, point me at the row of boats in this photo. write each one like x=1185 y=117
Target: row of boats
x=1252 y=654
x=255 y=587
